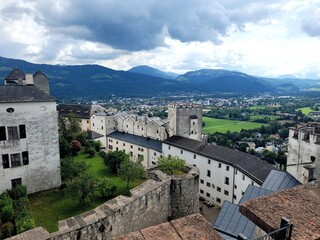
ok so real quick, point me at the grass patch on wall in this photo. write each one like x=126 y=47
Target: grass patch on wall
x=223 y=125
x=51 y=206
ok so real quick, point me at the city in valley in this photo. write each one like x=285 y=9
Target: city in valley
x=159 y=120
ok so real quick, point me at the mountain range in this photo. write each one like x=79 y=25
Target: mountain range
x=94 y=81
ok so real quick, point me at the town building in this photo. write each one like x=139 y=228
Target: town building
x=83 y=111
x=29 y=146
x=303 y=161
x=224 y=173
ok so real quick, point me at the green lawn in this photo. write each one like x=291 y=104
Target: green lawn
x=257 y=107
x=49 y=207
x=306 y=110
x=223 y=125
x=256 y=117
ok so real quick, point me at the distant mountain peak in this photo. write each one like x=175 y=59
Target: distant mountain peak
x=147 y=70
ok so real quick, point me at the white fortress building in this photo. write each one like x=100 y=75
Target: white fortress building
x=29 y=147
x=303 y=161
x=224 y=173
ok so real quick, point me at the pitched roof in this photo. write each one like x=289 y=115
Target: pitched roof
x=231 y=222
x=301 y=205
x=84 y=111
x=22 y=93
x=15 y=75
x=279 y=180
x=137 y=140
x=94 y=135
x=39 y=74
x=251 y=165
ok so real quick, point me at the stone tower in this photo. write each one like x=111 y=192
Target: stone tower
x=185 y=120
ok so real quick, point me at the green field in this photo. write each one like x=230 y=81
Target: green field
x=257 y=107
x=256 y=117
x=306 y=110
x=223 y=125
x=49 y=207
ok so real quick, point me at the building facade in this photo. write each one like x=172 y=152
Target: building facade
x=29 y=144
x=224 y=173
x=303 y=161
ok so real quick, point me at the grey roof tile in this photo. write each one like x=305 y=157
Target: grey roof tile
x=22 y=93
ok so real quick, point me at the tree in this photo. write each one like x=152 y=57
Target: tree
x=106 y=187
x=82 y=188
x=130 y=170
x=69 y=129
x=71 y=168
x=172 y=165
x=114 y=159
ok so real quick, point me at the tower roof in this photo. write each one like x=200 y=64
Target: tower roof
x=15 y=75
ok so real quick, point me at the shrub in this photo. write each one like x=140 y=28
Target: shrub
x=24 y=222
x=97 y=146
x=7 y=230
x=106 y=187
x=7 y=213
x=82 y=188
x=71 y=168
x=91 y=151
x=6 y=207
x=17 y=192
x=173 y=165
x=114 y=159
x=21 y=205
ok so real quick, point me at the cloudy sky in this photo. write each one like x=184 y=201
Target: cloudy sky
x=259 y=37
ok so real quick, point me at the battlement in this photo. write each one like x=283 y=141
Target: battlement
x=185 y=106
x=156 y=201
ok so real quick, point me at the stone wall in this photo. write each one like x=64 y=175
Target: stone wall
x=158 y=200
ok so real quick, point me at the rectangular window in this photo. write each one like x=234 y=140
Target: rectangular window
x=168 y=147
x=226 y=192
x=234 y=197
x=116 y=142
x=236 y=171
x=235 y=186
x=131 y=154
x=252 y=183
x=25 y=158
x=226 y=180
x=208 y=173
x=242 y=192
x=3 y=135
x=13 y=133
x=212 y=185
x=131 y=146
x=201 y=181
x=5 y=161
x=227 y=168
x=312 y=158
x=207 y=194
x=181 y=151
x=201 y=191
x=22 y=131
x=219 y=165
x=218 y=189
x=243 y=177
x=15 y=182
x=110 y=147
x=209 y=161
x=194 y=156
x=15 y=160
x=153 y=163
x=218 y=200
x=117 y=149
x=123 y=144
x=154 y=154
x=208 y=184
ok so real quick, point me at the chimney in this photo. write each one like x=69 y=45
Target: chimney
x=29 y=79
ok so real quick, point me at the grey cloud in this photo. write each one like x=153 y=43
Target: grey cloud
x=139 y=25
x=311 y=23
